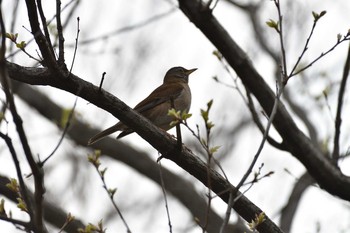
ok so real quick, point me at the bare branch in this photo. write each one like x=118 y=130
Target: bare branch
x=60 y=33
x=35 y=212
x=289 y=210
x=26 y=225
x=44 y=45
x=126 y=29
x=300 y=146
x=159 y=139
x=338 y=120
x=76 y=46
x=117 y=150
x=23 y=187
x=164 y=195
x=44 y=23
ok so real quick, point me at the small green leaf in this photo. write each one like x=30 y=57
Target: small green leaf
x=203 y=141
x=13 y=185
x=185 y=116
x=204 y=115
x=318 y=16
x=257 y=221
x=65 y=117
x=94 y=158
x=21 y=45
x=209 y=104
x=323 y=13
x=2 y=208
x=339 y=36
x=214 y=149
x=209 y=125
x=112 y=191
x=102 y=172
x=272 y=24
x=217 y=54
x=12 y=37
x=172 y=112
x=22 y=205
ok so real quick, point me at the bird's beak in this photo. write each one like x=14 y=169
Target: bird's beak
x=190 y=71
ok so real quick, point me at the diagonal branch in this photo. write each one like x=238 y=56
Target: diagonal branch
x=33 y=211
x=324 y=172
x=289 y=210
x=159 y=139
x=44 y=46
x=335 y=155
x=79 y=132
x=60 y=33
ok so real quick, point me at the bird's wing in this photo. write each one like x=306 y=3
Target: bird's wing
x=160 y=95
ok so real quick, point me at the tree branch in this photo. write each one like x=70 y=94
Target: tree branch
x=325 y=173
x=39 y=37
x=289 y=210
x=159 y=139
x=79 y=132
x=52 y=214
x=338 y=120
x=34 y=209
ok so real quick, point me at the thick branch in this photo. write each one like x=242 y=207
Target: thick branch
x=159 y=139
x=324 y=172
x=80 y=132
x=338 y=120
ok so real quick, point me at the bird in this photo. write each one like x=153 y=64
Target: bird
x=173 y=93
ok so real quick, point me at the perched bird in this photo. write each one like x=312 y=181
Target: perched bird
x=155 y=107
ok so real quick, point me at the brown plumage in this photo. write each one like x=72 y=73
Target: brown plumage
x=155 y=107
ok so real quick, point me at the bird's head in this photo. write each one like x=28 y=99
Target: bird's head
x=178 y=74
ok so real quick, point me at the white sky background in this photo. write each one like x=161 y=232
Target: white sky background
x=133 y=72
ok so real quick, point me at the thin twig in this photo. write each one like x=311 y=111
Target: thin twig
x=197 y=136
x=338 y=119
x=101 y=83
x=70 y=117
x=26 y=225
x=23 y=187
x=44 y=23
x=13 y=22
x=17 y=120
x=284 y=71
x=110 y=195
x=48 y=23
x=304 y=49
x=165 y=197
x=228 y=212
x=345 y=38
x=262 y=143
x=76 y=46
x=279 y=91
x=127 y=28
x=60 y=33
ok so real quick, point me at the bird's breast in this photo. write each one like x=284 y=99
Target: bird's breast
x=183 y=101
x=159 y=115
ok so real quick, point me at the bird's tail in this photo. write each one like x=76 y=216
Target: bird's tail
x=104 y=133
